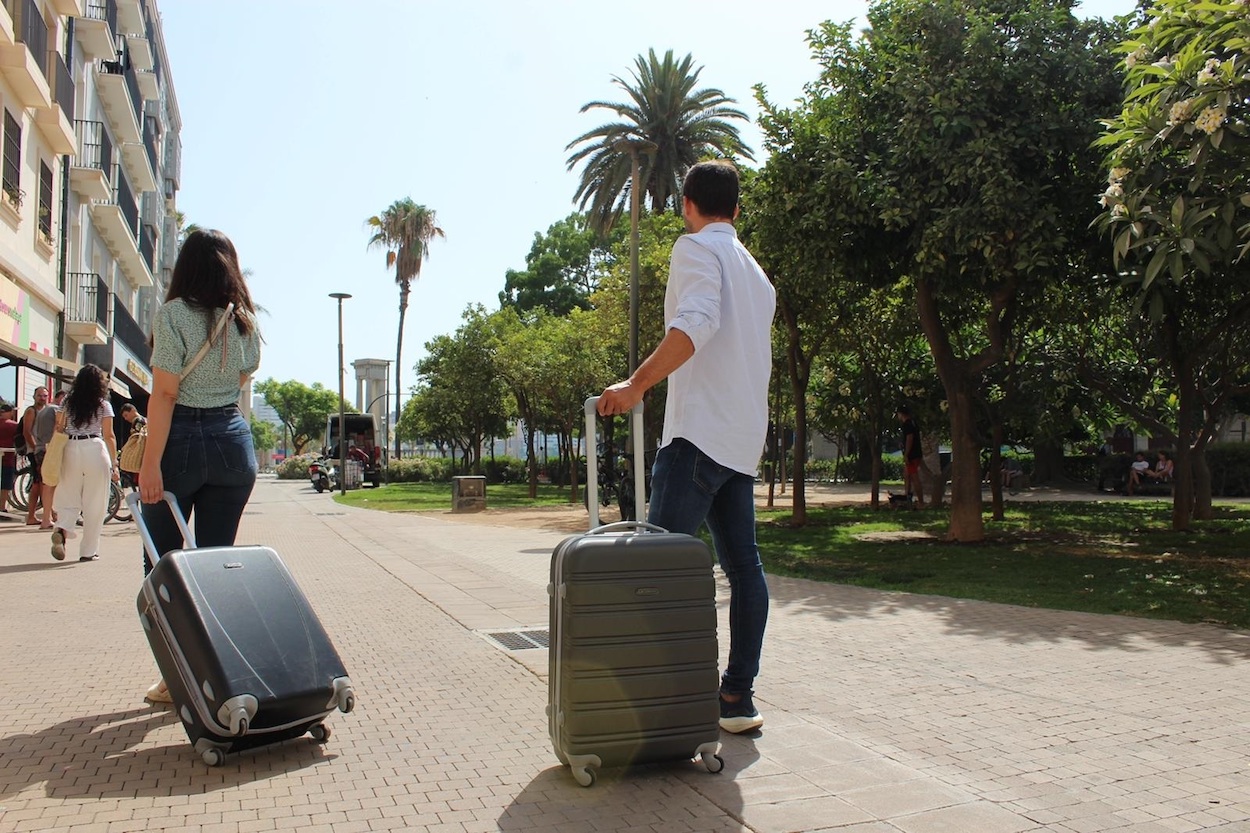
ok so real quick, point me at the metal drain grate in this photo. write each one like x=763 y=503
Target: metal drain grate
x=519 y=640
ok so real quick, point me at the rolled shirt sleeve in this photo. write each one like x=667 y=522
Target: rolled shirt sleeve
x=169 y=348
x=695 y=281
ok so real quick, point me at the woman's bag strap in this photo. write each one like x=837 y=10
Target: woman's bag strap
x=203 y=351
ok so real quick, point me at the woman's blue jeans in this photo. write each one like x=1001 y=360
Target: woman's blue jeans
x=689 y=488
x=210 y=465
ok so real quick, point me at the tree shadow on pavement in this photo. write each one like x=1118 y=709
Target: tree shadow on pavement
x=1009 y=623
x=96 y=756
x=647 y=797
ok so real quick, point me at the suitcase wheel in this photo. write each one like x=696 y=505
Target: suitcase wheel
x=320 y=732
x=584 y=776
x=213 y=756
x=714 y=763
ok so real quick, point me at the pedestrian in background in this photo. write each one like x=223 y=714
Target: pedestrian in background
x=199 y=447
x=44 y=428
x=8 y=462
x=87 y=464
x=913 y=455
x=34 y=501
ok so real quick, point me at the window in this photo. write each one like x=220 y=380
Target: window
x=11 y=175
x=45 y=199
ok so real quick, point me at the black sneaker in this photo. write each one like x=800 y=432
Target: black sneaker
x=741 y=716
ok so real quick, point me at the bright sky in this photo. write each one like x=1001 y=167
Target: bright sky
x=302 y=118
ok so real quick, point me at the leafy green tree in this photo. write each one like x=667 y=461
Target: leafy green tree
x=404 y=230
x=302 y=409
x=1178 y=210
x=461 y=390
x=958 y=157
x=668 y=122
x=264 y=436
x=562 y=269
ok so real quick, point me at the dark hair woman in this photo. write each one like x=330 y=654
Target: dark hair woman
x=205 y=346
x=87 y=464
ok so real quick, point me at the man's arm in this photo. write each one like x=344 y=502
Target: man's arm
x=674 y=351
x=28 y=428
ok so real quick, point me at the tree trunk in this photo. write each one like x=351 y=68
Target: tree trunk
x=531 y=456
x=931 y=472
x=404 y=288
x=967 y=524
x=1203 y=509
x=994 y=473
x=1047 y=463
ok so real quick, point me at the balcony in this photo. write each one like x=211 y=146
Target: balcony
x=92 y=173
x=23 y=62
x=131 y=335
x=68 y=8
x=87 y=303
x=56 y=123
x=6 y=26
x=113 y=83
x=130 y=18
x=140 y=51
x=136 y=157
x=148 y=86
x=117 y=222
x=97 y=29
x=147 y=247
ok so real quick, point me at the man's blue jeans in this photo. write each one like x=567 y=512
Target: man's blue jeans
x=688 y=488
x=210 y=465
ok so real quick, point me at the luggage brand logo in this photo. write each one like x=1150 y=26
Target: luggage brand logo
x=647 y=591
x=233 y=565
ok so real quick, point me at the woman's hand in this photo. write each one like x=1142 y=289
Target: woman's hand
x=116 y=475
x=151 y=484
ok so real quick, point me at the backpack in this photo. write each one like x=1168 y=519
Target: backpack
x=19 y=442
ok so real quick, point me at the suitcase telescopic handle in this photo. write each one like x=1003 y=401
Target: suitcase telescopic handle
x=592 y=463
x=149 y=546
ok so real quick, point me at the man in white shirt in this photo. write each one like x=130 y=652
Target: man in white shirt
x=717 y=356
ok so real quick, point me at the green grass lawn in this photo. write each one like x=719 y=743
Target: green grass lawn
x=427 y=497
x=1096 y=556
x=1100 y=557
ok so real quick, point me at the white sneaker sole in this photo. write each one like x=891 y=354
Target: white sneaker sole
x=738 y=725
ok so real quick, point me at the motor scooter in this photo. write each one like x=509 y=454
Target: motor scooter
x=323 y=474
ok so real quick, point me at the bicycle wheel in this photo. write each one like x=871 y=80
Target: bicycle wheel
x=115 y=504
x=20 y=498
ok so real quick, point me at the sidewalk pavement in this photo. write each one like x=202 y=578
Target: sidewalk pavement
x=885 y=712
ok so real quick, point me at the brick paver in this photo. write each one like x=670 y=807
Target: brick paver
x=886 y=712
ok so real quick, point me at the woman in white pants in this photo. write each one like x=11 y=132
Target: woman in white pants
x=87 y=466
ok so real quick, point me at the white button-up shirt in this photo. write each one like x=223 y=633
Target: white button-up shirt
x=720 y=297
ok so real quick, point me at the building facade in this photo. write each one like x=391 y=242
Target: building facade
x=88 y=224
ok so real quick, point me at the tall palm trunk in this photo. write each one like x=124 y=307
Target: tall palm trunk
x=404 y=288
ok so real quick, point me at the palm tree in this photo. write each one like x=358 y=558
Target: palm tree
x=668 y=123
x=405 y=230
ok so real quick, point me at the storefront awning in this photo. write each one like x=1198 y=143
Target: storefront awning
x=38 y=361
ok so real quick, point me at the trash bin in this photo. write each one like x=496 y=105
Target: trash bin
x=468 y=494
x=355 y=475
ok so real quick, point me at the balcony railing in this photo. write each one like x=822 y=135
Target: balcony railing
x=147 y=247
x=151 y=136
x=87 y=299
x=125 y=200
x=33 y=31
x=105 y=10
x=95 y=150
x=130 y=334
x=62 y=84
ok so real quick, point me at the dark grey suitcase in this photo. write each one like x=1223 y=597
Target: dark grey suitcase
x=633 y=654
x=246 y=659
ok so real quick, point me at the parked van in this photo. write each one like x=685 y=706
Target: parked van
x=362 y=443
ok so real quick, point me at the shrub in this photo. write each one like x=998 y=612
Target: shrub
x=420 y=470
x=295 y=468
x=504 y=470
x=1230 y=469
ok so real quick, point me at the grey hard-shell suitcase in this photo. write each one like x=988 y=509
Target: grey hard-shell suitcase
x=246 y=659
x=633 y=654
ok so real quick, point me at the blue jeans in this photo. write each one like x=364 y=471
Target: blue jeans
x=210 y=465
x=688 y=488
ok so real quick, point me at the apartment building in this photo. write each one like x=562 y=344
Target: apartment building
x=103 y=158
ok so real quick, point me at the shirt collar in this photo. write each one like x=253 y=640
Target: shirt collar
x=723 y=228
